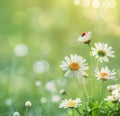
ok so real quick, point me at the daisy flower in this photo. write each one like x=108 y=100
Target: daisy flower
x=113 y=98
x=74 y=66
x=102 y=51
x=105 y=74
x=113 y=87
x=70 y=103
x=116 y=92
x=85 y=38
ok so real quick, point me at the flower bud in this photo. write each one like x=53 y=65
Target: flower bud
x=62 y=92
x=16 y=114
x=28 y=104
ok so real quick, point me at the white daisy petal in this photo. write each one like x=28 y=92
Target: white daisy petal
x=68 y=73
x=102 y=51
x=67 y=59
x=70 y=103
x=74 y=66
x=113 y=98
x=105 y=74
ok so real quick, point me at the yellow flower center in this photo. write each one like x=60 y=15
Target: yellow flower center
x=71 y=104
x=103 y=75
x=114 y=97
x=74 y=66
x=118 y=86
x=101 y=53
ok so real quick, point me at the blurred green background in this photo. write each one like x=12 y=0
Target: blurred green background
x=35 y=35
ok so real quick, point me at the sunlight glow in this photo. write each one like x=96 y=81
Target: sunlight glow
x=76 y=2
x=55 y=98
x=43 y=100
x=112 y=3
x=41 y=66
x=86 y=3
x=96 y=3
x=50 y=86
x=8 y=102
x=38 y=83
x=21 y=50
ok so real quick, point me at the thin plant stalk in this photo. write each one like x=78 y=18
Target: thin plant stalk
x=26 y=111
x=85 y=87
x=91 y=66
x=93 y=79
x=78 y=84
x=11 y=74
x=91 y=59
x=78 y=111
x=101 y=91
x=72 y=112
x=67 y=95
x=93 y=110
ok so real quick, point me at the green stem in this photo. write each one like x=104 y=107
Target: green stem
x=78 y=111
x=91 y=58
x=85 y=88
x=93 y=110
x=26 y=111
x=114 y=114
x=91 y=65
x=72 y=112
x=101 y=91
x=97 y=63
x=101 y=103
x=78 y=85
x=67 y=95
x=77 y=82
x=11 y=71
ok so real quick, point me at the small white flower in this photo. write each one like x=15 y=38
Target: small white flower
x=74 y=66
x=85 y=37
x=70 y=103
x=102 y=51
x=105 y=74
x=113 y=98
x=28 y=104
x=113 y=87
x=16 y=114
x=62 y=92
x=116 y=92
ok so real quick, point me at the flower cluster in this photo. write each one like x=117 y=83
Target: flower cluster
x=115 y=91
x=76 y=66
